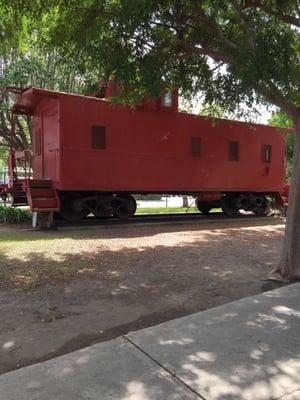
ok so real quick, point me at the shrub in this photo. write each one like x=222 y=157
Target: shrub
x=11 y=215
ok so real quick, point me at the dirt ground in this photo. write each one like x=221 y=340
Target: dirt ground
x=65 y=289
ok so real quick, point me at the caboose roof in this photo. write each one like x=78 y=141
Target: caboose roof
x=28 y=99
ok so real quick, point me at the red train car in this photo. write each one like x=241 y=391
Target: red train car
x=91 y=156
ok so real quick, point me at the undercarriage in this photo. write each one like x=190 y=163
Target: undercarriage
x=75 y=206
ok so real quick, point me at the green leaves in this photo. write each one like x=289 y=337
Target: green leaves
x=153 y=44
x=232 y=51
x=10 y=215
x=29 y=58
x=282 y=120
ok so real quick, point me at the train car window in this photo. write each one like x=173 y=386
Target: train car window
x=233 y=150
x=98 y=137
x=37 y=142
x=101 y=94
x=195 y=146
x=167 y=100
x=266 y=153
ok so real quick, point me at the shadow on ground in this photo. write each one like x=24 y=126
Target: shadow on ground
x=104 y=285
x=246 y=350
x=241 y=351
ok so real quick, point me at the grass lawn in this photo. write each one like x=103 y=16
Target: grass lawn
x=31 y=258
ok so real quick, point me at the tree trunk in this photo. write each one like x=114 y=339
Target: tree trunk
x=289 y=265
x=185 y=201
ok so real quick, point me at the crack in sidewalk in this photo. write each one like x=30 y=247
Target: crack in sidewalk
x=179 y=380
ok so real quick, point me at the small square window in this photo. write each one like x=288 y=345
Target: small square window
x=266 y=153
x=233 y=150
x=167 y=100
x=98 y=137
x=195 y=146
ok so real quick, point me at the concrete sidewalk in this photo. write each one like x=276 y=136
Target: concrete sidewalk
x=248 y=349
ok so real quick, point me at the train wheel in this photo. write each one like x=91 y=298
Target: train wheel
x=72 y=208
x=125 y=206
x=229 y=206
x=262 y=206
x=101 y=206
x=203 y=207
x=101 y=212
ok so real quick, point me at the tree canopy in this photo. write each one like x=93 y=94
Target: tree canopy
x=281 y=119
x=27 y=58
x=232 y=50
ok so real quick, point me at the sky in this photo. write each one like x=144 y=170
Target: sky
x=262 y=117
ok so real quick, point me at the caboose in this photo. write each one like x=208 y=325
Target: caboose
x=91 y=156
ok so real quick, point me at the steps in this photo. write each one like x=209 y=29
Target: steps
x=18 y=192
x=41 y=195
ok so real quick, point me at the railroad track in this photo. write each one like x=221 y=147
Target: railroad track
x=148 y=219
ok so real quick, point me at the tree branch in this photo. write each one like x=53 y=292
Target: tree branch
x=290 y=19
x=268 y=91
x=4 y=129
x=205 y=51
x=213 y=27
x=272 y=94
x=244 y=20
x=22 y=134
